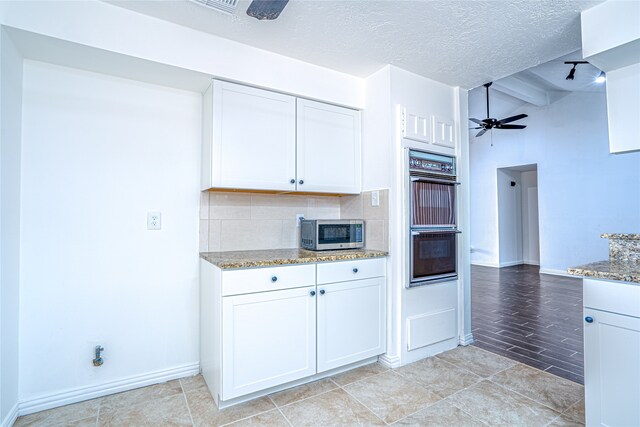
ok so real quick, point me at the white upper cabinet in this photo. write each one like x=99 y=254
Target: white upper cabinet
x=443 y=132
x=254 y=139
x=249 y=138
x=416 y=126
x=328 y=148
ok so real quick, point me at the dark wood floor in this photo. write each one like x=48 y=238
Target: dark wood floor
x=530 y=317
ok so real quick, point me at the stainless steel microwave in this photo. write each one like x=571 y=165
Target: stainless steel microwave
x=320 y=234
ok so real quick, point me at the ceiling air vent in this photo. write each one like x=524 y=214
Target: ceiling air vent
x=226 y=6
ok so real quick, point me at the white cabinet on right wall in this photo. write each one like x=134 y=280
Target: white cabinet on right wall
x=611 y=353
x=328 y=148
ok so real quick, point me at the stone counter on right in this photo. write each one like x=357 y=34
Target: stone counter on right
x=609 y=270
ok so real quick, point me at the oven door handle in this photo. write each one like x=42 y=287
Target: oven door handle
x=436 y=180
x=417 y=233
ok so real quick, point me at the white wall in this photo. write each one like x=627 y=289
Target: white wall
x=98 y=153
x=10 y=130
x=582 y=189
x=530 y=229
x=114 y=29
x=509 y=217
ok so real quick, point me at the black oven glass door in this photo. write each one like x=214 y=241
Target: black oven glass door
x=339 y=233
x=433 y=256
x=433 y=204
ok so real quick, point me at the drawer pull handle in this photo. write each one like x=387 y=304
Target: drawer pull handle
x=588 y=319
x=274 y=279
x=312 y=293
x=355 y=270
x=321 y=291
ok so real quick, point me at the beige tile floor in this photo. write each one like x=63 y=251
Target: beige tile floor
x=466 y=386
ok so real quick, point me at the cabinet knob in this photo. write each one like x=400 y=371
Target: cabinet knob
x=274 y=279
x=312 y=293
x=355 y=270
x=588 y=319
x=292 y=181
x=301 y=182
x=321 y=291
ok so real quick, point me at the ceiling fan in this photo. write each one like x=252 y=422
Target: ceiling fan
x=489 y=123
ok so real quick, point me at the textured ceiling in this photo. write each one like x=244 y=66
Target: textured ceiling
x=457 y=42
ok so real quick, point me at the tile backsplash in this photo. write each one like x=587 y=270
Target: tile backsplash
x=376 y=218
x=248 y=221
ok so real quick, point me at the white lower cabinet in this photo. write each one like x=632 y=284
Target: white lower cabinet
x=351 y=322
x=612 y=353
x=261 y=346
x=266 y=327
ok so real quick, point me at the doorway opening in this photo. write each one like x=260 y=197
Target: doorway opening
x=518 y=228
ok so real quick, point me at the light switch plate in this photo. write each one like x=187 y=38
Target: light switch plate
x=154 y=221
x=375 y=198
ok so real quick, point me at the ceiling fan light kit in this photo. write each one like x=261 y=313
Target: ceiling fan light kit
x=490 y=123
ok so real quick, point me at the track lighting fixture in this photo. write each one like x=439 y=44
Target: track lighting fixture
x=601 y=77
x=573 y=70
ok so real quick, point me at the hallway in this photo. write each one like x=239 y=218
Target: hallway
x=533 y=318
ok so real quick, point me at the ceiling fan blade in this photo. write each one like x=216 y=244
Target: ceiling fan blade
x=512 y=118
x=481 y=133
x=476 y=121
x=499 y=126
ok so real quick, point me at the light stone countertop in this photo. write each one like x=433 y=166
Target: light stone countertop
x=609 y=270
x=273 y=257
x=627 y=236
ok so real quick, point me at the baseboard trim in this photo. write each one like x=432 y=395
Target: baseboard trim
x=466 y=339
x=511 y=263
x=556 y=272
x=529 y=262
x=80 y=394
x=389 y=361
x=11 y=417
x=485 y=264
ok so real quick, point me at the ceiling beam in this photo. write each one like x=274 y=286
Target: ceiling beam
x=521 y=89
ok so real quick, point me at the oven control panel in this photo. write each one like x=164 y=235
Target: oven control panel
x=434 y=163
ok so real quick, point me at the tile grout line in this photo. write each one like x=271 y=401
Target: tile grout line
x=527 y=397
x=184 y=396
x=365 y=406
x=280 y=411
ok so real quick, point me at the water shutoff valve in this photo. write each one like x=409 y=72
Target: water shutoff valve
x=98 y=361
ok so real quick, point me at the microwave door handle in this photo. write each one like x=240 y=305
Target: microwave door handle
x=436 y=180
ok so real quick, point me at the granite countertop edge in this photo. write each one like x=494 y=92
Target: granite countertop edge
x=621 y=236
x=607 y=270
x=266 y=258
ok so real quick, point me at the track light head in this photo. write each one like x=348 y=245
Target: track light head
x=601 y=77
x=572 y=73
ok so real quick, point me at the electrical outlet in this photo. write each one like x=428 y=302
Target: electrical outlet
x=299 y=218
x=375 y=198
x=154 y=221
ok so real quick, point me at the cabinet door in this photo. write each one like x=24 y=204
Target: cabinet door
x=416 y=126
x=268 y=339
x=443 y=132
x=612 y=369
x=351 y=322
x=254 y=140
x=328 y=149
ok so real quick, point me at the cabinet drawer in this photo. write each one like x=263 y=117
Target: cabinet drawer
x=351 y=270
x=615 y=297
x=236 y=282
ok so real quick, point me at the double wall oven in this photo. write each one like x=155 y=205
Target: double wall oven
x=433 y=227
